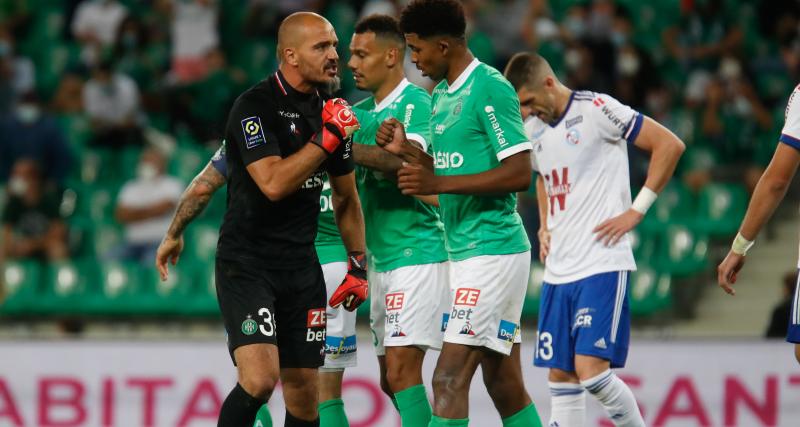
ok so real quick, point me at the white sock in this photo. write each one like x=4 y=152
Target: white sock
x=616 y=398
x=567 y=405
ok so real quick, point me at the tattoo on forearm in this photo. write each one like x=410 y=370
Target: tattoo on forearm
x=375 y=158
x=193 y=202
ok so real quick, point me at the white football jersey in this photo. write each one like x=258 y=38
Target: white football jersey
x=583 y=158
x=790 y=135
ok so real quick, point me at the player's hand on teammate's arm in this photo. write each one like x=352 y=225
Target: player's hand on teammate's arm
x=544 y=244
x=611 y=230
x=338 y=123
x=416 y=180
x=727 y=271
x=168 y=252
x=391 y=136
x=354 y=288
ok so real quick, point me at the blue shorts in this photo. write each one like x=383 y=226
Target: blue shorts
x=589 y=317
x=793 y=335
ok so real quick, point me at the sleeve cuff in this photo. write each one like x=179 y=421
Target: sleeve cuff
x=632 y=131
x=510 y=151
x=419 y=138
x=790 y=141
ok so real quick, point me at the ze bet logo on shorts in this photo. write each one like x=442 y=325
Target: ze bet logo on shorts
x=467 y=296
x=395 y=301
x=316 y=318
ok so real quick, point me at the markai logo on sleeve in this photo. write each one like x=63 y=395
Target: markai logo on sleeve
x=499 y=133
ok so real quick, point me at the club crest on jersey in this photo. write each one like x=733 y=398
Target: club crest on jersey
x=459 y=105
x=573 y=137
x=253 y=132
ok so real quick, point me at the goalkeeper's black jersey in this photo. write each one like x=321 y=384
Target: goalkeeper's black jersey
x=273 y=119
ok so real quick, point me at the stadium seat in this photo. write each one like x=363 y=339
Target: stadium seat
x=21 y=281
x=188 y=161
x=683 y=250
x=203 y=298
x=118 y=292
x=649 y=292
x=96 y=202
x=675 y=203
x=167 y=297
x=201 y=241
x=67 y=285
x=721 y=208
x=532 y=296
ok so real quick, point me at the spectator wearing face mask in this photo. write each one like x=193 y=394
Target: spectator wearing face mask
x=145 y=206
x=111 y=101
x=32 y=225
x=30 y=132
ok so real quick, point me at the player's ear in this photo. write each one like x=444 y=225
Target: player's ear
x=444 y=46
x=392 y=57
x=290 y=56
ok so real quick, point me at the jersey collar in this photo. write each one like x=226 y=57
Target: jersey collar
x=392 y=95
x=287 y=89
x=464 y=76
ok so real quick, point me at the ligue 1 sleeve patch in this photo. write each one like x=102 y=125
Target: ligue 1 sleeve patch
x=253 y=132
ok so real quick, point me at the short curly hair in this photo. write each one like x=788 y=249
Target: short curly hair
x=428 y=18
x=383 y=26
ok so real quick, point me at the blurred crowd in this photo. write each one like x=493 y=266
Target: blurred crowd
x=151 y=80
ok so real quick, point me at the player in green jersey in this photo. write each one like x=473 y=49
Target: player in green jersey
x=481 y=159
x=407 y=260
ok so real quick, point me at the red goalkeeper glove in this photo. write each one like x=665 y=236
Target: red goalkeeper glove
x=353 y=290
x=338 y=123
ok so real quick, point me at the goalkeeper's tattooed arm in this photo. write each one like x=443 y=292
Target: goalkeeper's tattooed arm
x=195 y=199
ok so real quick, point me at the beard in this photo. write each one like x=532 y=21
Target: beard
x=332 y=86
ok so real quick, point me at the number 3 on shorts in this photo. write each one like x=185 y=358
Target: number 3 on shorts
x=268 y=328
x=545 y=348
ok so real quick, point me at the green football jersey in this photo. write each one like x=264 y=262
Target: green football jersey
x=476 y=123
x=400 y=230
x=330 y=247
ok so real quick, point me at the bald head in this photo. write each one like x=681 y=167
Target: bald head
x=297 y=27
x=529 y=70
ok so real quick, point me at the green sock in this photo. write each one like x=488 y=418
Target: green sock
x=446 y=422
x=263 y=418
x=331 y=414
x=527 y=417
x=415 y=410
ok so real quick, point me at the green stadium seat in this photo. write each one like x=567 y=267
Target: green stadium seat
x=530 y=307
x=167 y=297
x=187 y=162
x=683 y=250
x=644 y=243
x=675 y=203
x=649 y=292
x=721 y=208
x=67 y=285
x=97 y=202
x=22 y=285
x=201 y=241
x=118 y=291
x=203 y=298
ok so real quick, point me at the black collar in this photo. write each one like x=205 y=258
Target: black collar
x=287 y=90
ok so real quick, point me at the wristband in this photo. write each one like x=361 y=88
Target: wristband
x=741 y=245
x=644 y=200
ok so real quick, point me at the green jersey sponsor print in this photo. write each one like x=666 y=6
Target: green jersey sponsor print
x=475 y=124
x=400 y=230
x=328 y=242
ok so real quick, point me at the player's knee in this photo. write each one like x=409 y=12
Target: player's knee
x=398 y=374
x=445 y=383
x=260 y=387
x=559 y=376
